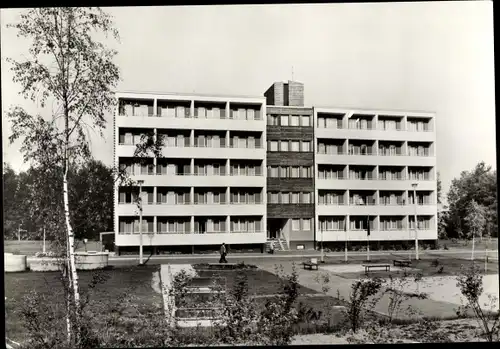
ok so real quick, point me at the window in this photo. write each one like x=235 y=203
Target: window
x=273 y=171
x=284 y=146
x=285 y=198
x=272 y=120
x=295 y=146
x=295 y=120
x=275 y=198
x=306 y=120
x=306 y=146
x=284 y=172
x=284 y=120
x=306 y=224
x=273 y=145
x=306 y=198
x=295 y=224
x=295 y=172
x=304 y=173
x=295 y=198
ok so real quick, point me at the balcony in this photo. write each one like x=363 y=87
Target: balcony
x=259 y=237
x=376 y=235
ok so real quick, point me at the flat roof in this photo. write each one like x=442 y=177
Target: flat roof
x=185 y=94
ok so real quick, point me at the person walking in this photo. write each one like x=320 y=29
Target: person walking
x=223 y=252
x=271 y=247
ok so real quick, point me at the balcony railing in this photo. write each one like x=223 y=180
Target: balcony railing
x=384 y=203
x=246 y=174
x=340 y=152
x=360 y=152
x=383 y=177
x=387 y=152
x=176 y=232
x=323 y=176
x=172 y=204
x=370 y=202
x=368 y=177
x=332 y=203
x=189 y=116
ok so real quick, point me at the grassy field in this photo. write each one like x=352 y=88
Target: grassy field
x=120 y=281
x=260 y=282
x=426 y=265
x=137 y=281
x=490 y=244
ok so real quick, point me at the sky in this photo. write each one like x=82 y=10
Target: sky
x=430 y=56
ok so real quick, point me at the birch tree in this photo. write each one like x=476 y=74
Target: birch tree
x=475 y=220
x=68 y=66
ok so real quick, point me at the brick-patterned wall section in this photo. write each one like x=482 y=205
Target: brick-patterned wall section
x=290 y=211
x=289 y=159
x=290 y=184
x=277 y=133
x=290 y=111
x=295 y=94
x=279 y=93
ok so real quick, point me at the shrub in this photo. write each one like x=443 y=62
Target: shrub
x=361 y=296
x=470 y=283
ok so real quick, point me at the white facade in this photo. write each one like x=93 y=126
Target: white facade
x=209 y=184
x=366 y=163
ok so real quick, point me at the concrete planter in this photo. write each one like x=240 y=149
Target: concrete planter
x=91 y=260
x=14 y=263
x=45 y=263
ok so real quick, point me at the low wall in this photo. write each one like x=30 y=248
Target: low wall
x=91 y=260
x=14 y=263
x=83 y=260
x=45 y=264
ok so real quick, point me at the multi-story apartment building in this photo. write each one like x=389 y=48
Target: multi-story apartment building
x=243 y=170
x=208 y=186
x=290 y=164
x=369 y=163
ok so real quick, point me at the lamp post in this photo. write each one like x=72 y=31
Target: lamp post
x=361 y=202
x=414 y=185
x=345 y=232
x=140 y=182
x=322 y=253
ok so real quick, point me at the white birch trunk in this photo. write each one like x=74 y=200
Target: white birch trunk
x=71 y=240
x=473 y=243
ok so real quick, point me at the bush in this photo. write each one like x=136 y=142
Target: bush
x=359 y=299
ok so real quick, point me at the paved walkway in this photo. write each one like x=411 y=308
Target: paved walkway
x=428 y=307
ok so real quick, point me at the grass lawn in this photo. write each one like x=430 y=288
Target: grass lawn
x=130 y=280
x=491 y=244
x=451 y=266
x=260 y=282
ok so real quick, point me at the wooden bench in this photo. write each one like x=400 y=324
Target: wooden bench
x=402 y=263
x=387 y=267
x=310 y=264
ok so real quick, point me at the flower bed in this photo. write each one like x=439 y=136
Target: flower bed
x=91 y=260
x=46 y=262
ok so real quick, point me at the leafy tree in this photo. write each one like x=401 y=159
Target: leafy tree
x=480 y=185
x=475 y=220
x=10 y=188
x=470 y=283
x=68 y=65
x=91 y=198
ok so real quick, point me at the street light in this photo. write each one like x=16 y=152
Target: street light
x=140 y=182
x=414 y=185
